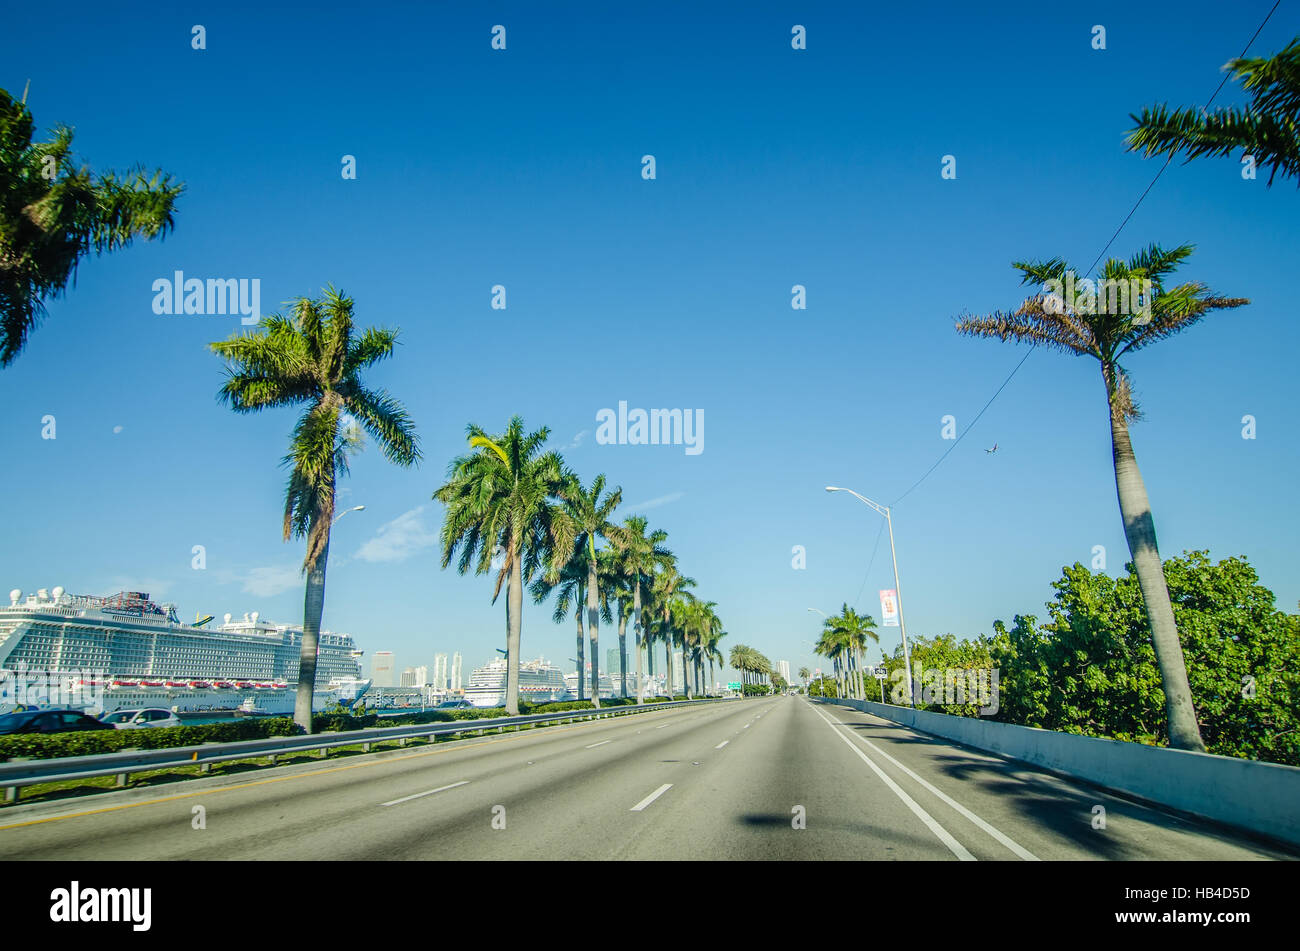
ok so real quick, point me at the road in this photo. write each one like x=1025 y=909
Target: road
x=734 y=780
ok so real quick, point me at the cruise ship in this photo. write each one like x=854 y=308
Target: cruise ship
x=539 y=682
x=125 y=651
x=608 y=685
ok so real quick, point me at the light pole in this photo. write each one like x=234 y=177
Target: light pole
x=898 y=588
x=355 y=508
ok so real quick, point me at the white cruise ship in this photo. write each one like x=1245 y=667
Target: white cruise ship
x=539 y=682
x=608 y=685
x=125 y=651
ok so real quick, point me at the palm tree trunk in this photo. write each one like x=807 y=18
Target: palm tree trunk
x=622 y=651
x=312 y=610
x=593 y=630
x=668 y=666
x=711 y=679
x=637 y=638
x=581 y=660
x=514 y=622
x=1140 y=531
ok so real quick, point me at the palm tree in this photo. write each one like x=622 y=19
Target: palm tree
x=804 y=674
x=1081 y=326
x=571 y=585
x=315 y=357
x=52 y=214
x=1268 y=128
x=639 y=557
x=502 y=500
x=853 y=630
x=669 y=586
x=590 y=510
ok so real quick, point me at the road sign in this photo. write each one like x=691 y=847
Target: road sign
x=880 y=673
x=735 y=685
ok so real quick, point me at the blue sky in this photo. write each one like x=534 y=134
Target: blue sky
x=522 y=167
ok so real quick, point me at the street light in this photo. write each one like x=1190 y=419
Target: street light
x=898 y=588
x=355 y=508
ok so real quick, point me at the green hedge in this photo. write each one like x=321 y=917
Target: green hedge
x=86 y=742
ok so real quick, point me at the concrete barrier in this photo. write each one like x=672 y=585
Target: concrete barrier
x=1259 y=797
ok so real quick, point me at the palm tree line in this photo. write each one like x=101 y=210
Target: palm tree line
x=843 y=641
x=517 y=513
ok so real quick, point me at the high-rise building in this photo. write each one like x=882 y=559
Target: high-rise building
x=679 y=674
x=455 y=671
x=783 y=668
x=408 y=677
x=421 y=676
x=382 y=669
x=440 y=671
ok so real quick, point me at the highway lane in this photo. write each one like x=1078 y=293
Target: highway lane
x=773 y=778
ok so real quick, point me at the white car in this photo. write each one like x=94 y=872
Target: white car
x=141 y=719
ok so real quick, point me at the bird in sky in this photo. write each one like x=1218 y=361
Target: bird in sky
x=994 y=449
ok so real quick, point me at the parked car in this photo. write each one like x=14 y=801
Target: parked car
x=49 y=721
x=455 y=705
x=140 y=719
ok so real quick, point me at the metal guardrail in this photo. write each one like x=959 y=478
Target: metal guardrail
x=14 y=775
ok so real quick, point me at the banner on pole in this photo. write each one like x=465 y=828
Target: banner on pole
x=889 y=607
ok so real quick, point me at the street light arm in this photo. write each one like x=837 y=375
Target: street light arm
x=882 y=509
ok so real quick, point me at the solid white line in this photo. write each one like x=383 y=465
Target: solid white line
x=661 y=727
x=394 y=802
x=955 y=847
x=594 y=745
x=722 y=744
x=652 y=797
x=1001 y=837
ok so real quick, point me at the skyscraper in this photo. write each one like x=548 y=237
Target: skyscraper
x=783 y=668
x=382 y=668
x=408 y=677
x=455 y=671
x=440 y=671
x=421 y=676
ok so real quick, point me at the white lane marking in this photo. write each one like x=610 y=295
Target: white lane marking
x=393 y=802
x=746 y=726
x=661 y=727
x=652 y=797
x=594 y=745
x=955 y=847
x=722 y=744
x=1000 y=836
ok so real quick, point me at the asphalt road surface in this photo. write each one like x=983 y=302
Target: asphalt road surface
x=772 y=778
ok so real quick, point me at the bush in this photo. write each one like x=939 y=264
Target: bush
x=88 y=742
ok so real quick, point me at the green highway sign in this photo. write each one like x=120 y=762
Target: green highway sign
x=735 y=685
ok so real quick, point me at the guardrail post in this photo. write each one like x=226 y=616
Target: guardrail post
x=271 y=759
x=122 y=778
x=205 y=768
x=365 y=747
x=11 y=794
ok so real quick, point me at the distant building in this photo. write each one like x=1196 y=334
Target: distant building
x=421 y=676
x=783 y=668
x=440 y=671
x=408 y=677
x=456 y=678
x=382 y=669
